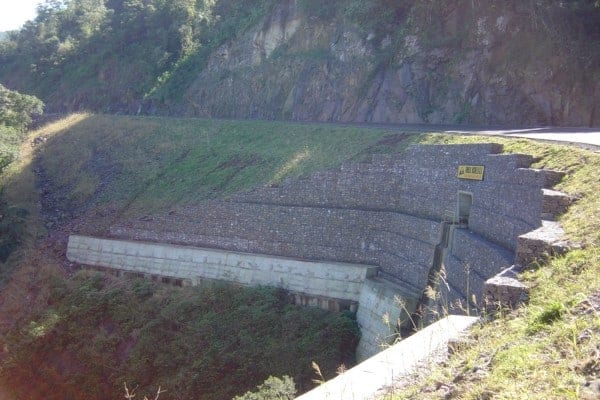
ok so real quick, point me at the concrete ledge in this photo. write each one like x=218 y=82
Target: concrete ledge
x=381 y=370
x=331 y=280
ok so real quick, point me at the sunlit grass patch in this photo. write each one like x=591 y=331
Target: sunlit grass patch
x=40 y=328
x=291 y=166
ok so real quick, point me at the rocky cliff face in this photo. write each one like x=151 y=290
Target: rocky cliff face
x=458 y=63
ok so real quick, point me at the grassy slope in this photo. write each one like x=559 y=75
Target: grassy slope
x=549 y=348
x=135 y=165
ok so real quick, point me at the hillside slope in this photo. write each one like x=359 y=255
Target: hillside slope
x=86 y=171
x=456 y=61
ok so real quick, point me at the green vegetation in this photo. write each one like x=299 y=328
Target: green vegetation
x=548 y=348
x=98 y=332
x=198 y=343
x=110 y=55
x=16 y=111
x=136 y=165
x=272 y=389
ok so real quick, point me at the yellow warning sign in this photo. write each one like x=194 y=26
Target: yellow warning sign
x=474 y=172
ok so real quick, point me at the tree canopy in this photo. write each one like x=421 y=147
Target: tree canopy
x=105 y=54
x=16 y=109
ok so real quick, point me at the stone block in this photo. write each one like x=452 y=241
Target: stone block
x=539 y=243
x=504 y=291
x=555 y=203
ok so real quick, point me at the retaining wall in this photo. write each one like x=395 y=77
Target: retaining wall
x=329 y=285
x=402 y=245
x=423 y=182
x=334 y=281
x=470 y=261
x=388 y=212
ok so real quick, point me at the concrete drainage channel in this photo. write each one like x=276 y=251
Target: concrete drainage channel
x=369 y=378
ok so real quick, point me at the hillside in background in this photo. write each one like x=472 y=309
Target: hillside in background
x=454 y=61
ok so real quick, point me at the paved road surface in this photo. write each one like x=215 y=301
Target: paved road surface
x=583 y=136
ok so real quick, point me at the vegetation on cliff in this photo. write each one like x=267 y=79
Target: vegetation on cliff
x=109 y=55
x=350 y=60
x=16 y=112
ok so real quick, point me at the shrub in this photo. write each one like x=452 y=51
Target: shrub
x=272 y=389
x=202 y=343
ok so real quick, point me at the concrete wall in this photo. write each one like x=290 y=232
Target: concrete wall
x=333 y=286
x=386 y=212
x=328 y=280
x=370 y=379
x=383 y=308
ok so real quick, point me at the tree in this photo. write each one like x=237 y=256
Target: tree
x=16 y=109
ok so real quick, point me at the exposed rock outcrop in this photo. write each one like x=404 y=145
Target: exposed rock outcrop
x=482 y=64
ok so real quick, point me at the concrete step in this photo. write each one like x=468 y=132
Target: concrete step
x=554 y=204
x=547 y=240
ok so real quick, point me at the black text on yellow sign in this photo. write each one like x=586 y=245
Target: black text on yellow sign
x=474 y=172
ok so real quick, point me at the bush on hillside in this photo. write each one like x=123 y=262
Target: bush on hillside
x=272 y=389
x=197 y=343
x=16 y=109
